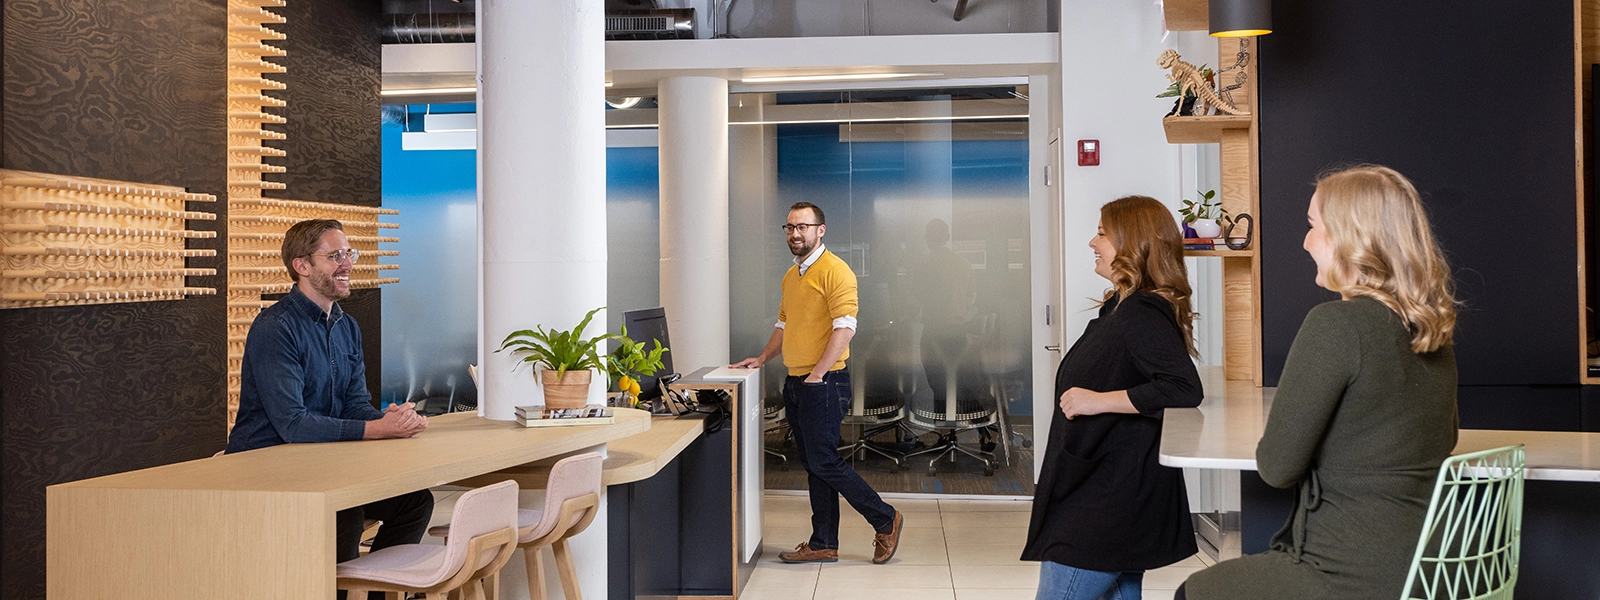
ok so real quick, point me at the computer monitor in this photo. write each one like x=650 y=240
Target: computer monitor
x=643 y=326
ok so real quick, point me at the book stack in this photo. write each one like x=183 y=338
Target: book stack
x=539 y=416
x=1199 y=244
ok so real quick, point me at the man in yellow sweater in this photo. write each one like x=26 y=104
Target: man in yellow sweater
x=816 y=320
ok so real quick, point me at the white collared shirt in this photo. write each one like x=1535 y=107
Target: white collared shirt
x=844 y=322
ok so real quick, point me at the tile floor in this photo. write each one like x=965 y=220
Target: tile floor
x=950 y=549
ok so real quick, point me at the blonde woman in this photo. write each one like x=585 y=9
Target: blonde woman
x=1366 y=408
x=1104 y=510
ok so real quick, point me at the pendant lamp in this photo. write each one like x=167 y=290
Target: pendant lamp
x=1240 y=18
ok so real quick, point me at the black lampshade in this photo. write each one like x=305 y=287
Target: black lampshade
x=1240 y=18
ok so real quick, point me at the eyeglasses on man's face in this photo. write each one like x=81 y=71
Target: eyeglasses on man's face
x=801 y=227
x=338 y=256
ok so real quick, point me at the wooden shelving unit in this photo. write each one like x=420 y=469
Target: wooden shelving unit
x=1204 y=130
x=1246 y=253
x=1237 y=137
x=1587 y=52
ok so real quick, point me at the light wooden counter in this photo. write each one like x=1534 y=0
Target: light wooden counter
x=1222 y=434
x=633 y=458
x=260 y=524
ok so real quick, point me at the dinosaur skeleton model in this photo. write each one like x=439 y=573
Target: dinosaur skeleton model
x=1188 y=79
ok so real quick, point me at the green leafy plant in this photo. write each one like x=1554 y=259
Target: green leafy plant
x=1172 y=90
x=557 y=350
x=631 y=357
x=1206 y=208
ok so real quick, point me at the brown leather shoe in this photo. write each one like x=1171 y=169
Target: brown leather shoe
x=804 y=554
x=884 y=544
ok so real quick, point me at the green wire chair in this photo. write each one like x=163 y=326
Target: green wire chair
x=1470 y=539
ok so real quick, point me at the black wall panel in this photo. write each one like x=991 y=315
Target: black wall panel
x=1475 y=105
x=133 y=91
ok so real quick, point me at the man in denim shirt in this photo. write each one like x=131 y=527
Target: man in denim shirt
x=304 y=380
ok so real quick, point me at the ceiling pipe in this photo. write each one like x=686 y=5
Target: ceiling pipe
x=429 y=28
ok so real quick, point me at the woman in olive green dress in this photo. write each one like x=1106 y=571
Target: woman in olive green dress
x=1366 y=407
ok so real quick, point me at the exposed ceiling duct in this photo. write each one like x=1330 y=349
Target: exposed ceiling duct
x=429 y=21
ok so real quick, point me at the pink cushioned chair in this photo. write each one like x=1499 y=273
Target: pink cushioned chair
x=571 y=500
x=483 y=535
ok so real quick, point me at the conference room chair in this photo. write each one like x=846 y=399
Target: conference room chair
x=482 y=536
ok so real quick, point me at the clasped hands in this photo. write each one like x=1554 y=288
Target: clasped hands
x=398 y=421
x=1077 y=402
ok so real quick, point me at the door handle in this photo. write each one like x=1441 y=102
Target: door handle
x=1053 y=348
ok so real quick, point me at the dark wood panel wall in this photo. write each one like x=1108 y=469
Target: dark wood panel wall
x=135 y=90
x=1385 y=82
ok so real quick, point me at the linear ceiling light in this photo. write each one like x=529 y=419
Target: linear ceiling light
x=429 y=91
x=849 y=77
x=815 y=121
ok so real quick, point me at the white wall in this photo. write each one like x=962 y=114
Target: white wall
x=1107 y=88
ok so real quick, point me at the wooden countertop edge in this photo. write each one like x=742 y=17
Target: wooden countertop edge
x=629 y=459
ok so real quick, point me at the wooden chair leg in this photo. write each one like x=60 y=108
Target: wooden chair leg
x=569 y=574
x=491 y=586
x=534 y=557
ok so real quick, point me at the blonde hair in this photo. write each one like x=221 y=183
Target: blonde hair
x=1384 y=249
x=1149 y=257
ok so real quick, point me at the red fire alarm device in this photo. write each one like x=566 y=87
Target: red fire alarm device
x=1088 y=153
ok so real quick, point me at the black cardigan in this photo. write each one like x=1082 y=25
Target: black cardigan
x=1103 y=501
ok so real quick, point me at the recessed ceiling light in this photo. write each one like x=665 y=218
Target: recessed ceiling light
x=847 y=77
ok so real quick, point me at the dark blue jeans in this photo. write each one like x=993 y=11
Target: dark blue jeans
x=814 y=411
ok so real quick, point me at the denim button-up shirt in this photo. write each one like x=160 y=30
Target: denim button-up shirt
x=303 y=378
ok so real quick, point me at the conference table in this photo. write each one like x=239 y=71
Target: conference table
x=260 y=524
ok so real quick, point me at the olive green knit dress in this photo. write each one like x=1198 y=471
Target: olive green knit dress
x=1360 y=425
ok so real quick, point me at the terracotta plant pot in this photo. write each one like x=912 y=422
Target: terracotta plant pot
x=569 y=391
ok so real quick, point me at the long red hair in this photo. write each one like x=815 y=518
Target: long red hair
x=1149 y=257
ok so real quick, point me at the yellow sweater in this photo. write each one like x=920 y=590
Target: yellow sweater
x=810 y=304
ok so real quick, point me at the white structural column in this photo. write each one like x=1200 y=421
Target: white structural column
x=541 y=183
x=694 y=218
x=542 y=210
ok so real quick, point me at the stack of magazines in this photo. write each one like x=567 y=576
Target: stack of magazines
x=539 y=416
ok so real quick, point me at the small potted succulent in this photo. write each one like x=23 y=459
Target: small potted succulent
x=1207 y=216
x=629 y=363
x=566 y=360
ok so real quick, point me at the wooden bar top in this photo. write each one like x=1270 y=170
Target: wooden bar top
x=454 y=447
x=633 y=458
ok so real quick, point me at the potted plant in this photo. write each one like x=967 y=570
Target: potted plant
x=1184 y=107
x=631 y=360
x=567 y=360
x=1207 y=216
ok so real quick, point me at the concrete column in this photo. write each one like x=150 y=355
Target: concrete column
x=541 y=183
x=694 y=218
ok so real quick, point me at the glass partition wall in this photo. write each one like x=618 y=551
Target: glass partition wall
x=926 y=198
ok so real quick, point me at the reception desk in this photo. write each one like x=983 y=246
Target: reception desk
x=1561 y=524
x=260 y=524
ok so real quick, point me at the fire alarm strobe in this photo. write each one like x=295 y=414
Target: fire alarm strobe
x=1088 y=153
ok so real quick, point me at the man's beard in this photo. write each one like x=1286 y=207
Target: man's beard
x=324 y=284
x=802 y=249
